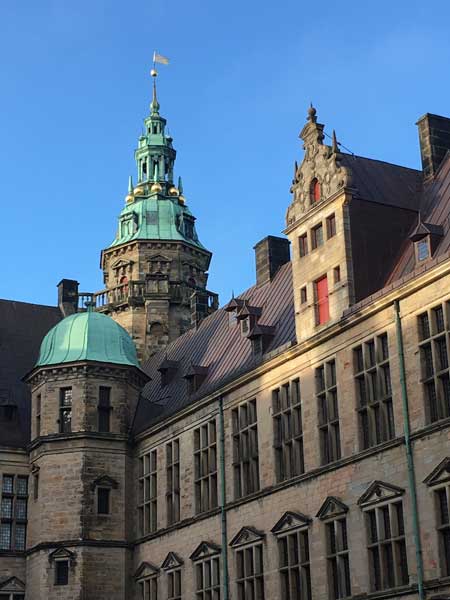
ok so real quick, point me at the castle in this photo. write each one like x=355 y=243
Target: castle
x=293 y=444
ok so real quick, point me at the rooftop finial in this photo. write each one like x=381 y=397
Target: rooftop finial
x=157 y=58
x=312 y=112
x=180 y=185
x=334 y=143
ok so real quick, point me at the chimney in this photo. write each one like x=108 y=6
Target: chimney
x=434 y=138
x=271 y=253
x=68 y=296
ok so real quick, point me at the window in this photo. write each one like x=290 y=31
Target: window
x=288 y=431
x=36 y=485
x=443 y=526
x=303 y=295
x=104 y=409
x=173 y=481
x=337 y=274
x=294 y=566
x=65 y=410
x=321 y=303
x=326 y=391
x=315 y=192
x=103 y=495
x=337 y=559
x=434 y=350
x=316 y=236
x=205 y=467
x=174 y=585
x=12 y=596
x=386 y=547
x=373 y=391
x=303 y=245
x=13 y=513
x=148 y=588
x=245 y=449
x=423 y=249
x=61 y=572
x=148 y=493
x=331 y=226
x=207 y=579
x=38 y=415
x=250 y=573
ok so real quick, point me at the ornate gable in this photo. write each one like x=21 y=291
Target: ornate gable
x=379 y=491
x=332 y=507
x=104 y=481
x=12 y=584
x=290 y=520
x=62 y=554
x=205 y=549
x=441 y=474
x=146 y=569
x=247 y=535
x=172 y=561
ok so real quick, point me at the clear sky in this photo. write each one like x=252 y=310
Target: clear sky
x=75 y=87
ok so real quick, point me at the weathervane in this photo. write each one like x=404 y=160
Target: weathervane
x=158 y=58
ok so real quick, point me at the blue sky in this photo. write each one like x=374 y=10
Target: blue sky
x=76 y=86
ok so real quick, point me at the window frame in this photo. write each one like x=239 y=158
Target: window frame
x=294 y=575
x=331 y=226
x=207 y=578
x=303 y=249
x=12 y=521
x=59 y=562
x=245 y=449
x=104 y=409
x=288 y=430
x=65 y=408
x=173 y=481
x=148 y=492
x=250 y=572
x=328 y=412
x=317 y=237
x=338 y=557
x=205 y=467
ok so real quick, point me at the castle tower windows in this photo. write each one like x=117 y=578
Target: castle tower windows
x=317 y=236
x=104 y=409
x=65 y=410
x=321 y=300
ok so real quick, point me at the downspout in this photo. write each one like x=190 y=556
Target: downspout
x=223 y=500
x=409 y=451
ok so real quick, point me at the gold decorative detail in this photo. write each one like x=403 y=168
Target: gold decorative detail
x=139 y=191
x=181 y=200
x=129 y=198
x=174 y=191
x=156 y=187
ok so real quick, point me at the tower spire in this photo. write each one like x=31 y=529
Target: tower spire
x=154 y=106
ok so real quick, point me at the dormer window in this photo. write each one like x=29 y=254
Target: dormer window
x=315 y=191
x=422 y=249
x=195 y=376
x=426 y=238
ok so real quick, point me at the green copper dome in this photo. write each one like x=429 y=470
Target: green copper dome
x=87 y=336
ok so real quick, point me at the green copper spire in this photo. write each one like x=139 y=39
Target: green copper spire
x=154 y=106
x=130 y=184
x=180 y=185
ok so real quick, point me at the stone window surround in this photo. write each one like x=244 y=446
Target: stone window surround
x=173 y=481
x=205 y=467
x=245 y=448
x=328 y=411
x=148 y=492
x=11 y=496
x=439 y=483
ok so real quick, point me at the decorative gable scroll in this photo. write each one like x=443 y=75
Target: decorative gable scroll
x=62 y=554
x=146 y=569
x=332 y=507
x=378 y=491
x=12 y=584
x=247 y=535
x=172 y=561
x=290 y=520
x=104 y=481
x=441 y=474
x=204 y=550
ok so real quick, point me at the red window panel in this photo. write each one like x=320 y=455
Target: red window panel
x=322 y=305
x=315 y=190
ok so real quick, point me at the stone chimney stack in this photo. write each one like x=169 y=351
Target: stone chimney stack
x=434 y=138
x=68 y=296
x=271 y=253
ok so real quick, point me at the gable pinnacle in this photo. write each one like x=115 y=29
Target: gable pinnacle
x=312 y=113
x=334 y=143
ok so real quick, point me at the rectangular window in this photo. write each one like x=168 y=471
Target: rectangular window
x=373 y=391
x=205 y=467
x=294 y=566
x=149 y=589
x=36 y=486
x=303 y=295
x=337 y=274
x=245 y=449
x=321 y=303
x=288 y=430
x=331 y=226
x=13 y=513
x=387 y=549
x=173 y=481
x=61 y=572
x=174 y=591
x=250 y=573
x=148 y=493
x=327 y=400
x=38 y=415
x=303 y=245
x=443 y=527
x=317 y=236
x=104 y=409
x=423 y=250
x=207 y=579
x=434 y=331
x=103 y=495
x=338 y=559
x=65 y=410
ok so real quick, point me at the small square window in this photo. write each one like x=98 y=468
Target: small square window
x=103 y=501
x=331 y=226
x=303 y=295
x=317 y=236
x=337 y=274
x=61 y=572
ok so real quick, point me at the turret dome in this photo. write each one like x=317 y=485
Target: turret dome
x=87 y=336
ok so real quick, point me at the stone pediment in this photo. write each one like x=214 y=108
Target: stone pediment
x=378 y=491
x=104 y=481
x=172 y=561
x=247 y=535
x=159 y=258
x=332 y=507
x=12 y=584
x=121 y=263
x=146 y=569
x=441 y=474
x=62 y=554
x=290 y=520
x=205 y=549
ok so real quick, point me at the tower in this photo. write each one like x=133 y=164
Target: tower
x=155 y=270
x=84 y=391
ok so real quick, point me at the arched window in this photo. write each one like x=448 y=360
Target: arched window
x=315 y=191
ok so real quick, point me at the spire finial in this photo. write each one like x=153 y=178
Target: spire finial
x=154 y=106
x=180 y=185
x=312 y=113
x=334 y=143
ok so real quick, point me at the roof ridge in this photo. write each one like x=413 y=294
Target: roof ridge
x=385 y=162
